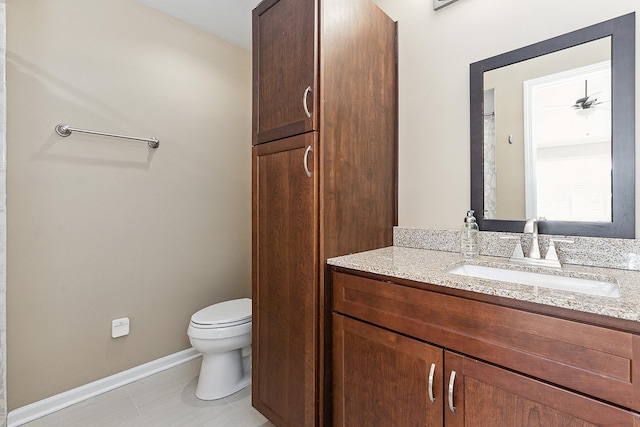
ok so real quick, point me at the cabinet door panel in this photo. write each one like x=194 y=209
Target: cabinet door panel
x=284 y=60
x=381 y=378
x=486 y=395
x=284 y=282
x=591 y=359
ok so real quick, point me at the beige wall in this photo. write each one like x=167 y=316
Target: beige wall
x=436 y=49
x=101 y=228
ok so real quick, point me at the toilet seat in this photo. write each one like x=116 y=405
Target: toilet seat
x=223 y=315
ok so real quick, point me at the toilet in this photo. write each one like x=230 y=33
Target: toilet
x=222 y=333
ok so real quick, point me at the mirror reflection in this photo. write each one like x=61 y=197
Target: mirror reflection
x=552 y=134
x=547 y=136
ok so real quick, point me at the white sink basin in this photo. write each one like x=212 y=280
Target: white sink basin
x=572 y=284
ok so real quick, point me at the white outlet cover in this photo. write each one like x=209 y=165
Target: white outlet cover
x=119 y=327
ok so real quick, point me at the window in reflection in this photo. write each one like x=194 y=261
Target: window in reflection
x=568 y=144
x=554 y=86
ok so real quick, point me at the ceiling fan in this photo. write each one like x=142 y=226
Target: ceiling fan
x=588 y=101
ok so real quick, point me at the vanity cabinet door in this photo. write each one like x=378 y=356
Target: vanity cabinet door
x=595 y=360
x=486 y=395
x=285 y=273
x=382 y=378
x=284 y=61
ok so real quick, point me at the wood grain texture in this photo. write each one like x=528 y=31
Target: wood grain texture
x=560 y=312
x=358 y=143
x=382 y=377
x=591 y=359
x=345 y=50
x=358 y=127
x=285 y=292
x=284 y=60
x=489 y=395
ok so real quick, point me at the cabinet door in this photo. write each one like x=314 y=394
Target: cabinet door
x=382 y=378
x=284 y=281
x=284 y=64
x=485 y=395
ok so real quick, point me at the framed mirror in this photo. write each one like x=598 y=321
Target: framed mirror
x=553 y=135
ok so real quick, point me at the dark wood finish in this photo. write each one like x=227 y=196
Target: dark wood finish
x=354 y=100
x=488 y=395
x=622 y=32
x=590 y=359
x=358 y=134
x=381 y=377
x=284 y=60
x=358 y=143
x=559 y=312
x=284 y=294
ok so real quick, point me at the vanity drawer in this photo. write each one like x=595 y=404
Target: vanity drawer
x=590 y=359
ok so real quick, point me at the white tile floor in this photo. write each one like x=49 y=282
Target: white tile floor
x=165 y=399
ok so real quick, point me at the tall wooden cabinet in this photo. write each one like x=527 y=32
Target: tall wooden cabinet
x=324 y=183
x=285 y=276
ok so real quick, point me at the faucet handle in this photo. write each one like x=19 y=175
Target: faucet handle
x=551 y=252
x=517 y=251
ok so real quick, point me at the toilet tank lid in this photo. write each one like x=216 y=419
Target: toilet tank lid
x=226 y=312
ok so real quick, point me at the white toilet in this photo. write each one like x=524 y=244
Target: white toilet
x=222 y=333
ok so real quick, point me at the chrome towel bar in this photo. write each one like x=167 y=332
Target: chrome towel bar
x=65 y=130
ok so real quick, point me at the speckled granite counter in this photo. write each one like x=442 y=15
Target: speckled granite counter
x=429 y=266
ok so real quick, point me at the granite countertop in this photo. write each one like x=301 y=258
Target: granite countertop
x=429 y=266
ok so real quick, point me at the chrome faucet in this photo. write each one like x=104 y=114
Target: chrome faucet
x=533 y=258
x=531 y=226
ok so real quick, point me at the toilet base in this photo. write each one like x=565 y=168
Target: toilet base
x=223 y=374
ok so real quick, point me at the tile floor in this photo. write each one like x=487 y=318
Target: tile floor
x=166 y=399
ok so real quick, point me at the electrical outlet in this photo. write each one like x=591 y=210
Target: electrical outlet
x=120 y=327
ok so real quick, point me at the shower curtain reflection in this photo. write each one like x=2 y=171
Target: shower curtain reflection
x=489 y=166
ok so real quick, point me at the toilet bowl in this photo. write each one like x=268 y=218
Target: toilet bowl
x=222 y=333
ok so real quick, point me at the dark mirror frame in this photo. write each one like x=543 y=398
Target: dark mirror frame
x=622 y=32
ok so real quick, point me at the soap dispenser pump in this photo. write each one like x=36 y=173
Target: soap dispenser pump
x=469 y=237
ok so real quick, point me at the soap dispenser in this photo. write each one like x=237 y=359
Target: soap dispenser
x=469 y=237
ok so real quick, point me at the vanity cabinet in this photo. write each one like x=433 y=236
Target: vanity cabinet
x=324 y=184
x=512 y=367
x=382 y=378
x=484 y=394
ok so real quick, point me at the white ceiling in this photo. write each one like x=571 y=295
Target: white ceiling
x=228 y=19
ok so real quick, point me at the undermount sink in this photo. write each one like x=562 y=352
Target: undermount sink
x=564 y=283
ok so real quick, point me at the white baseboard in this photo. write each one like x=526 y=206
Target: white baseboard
x=60 y=401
